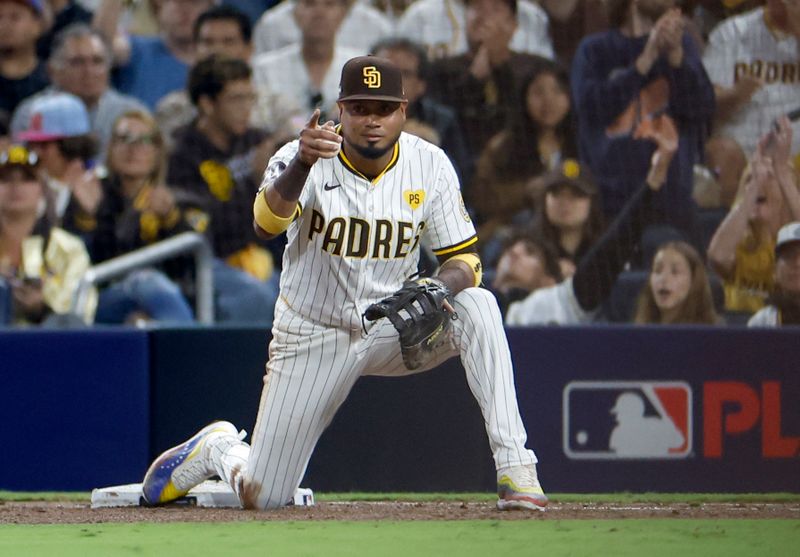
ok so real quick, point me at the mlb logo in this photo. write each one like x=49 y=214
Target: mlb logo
x=627 y=419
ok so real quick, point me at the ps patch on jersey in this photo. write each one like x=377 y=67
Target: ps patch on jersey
x=414 y=198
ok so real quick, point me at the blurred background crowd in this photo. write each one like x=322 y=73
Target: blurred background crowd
x=622 y=160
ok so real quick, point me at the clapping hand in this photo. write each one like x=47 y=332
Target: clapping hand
x=665 y=39
x=493 y=35
x=669 y=36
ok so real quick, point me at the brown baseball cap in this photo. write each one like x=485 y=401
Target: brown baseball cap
x=570 y=173
x=371 y=78
x=18 y=156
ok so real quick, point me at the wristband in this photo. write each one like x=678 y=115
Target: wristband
x=474 y=263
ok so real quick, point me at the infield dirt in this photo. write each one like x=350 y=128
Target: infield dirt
x=12 y=512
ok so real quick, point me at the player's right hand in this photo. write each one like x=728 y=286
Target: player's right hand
x=318 y=141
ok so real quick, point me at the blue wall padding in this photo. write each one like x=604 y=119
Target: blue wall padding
x=74 y=408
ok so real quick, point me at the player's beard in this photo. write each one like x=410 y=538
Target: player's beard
x=370 y=151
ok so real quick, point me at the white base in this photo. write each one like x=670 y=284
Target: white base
x=210 y=493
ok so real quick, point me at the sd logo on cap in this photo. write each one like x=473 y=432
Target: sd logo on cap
x=371 y=78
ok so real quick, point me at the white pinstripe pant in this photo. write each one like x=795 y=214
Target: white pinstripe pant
x=312 y=369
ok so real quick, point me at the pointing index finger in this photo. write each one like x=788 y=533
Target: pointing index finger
x=313 y=122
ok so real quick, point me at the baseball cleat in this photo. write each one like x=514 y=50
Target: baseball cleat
x=182 y=467
x=518 y=488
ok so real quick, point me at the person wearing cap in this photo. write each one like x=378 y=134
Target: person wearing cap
x=569 y=215
x=80 y=64
x=58 y=132
x=577 y=299
x=22 y=73
x=41 y=264
x=783 y=306
x=356 y=201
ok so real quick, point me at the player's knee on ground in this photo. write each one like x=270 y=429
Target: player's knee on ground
x=254 y=496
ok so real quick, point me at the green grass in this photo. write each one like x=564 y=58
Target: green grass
x=663 y=498
x=617 y=538
x=653 y=538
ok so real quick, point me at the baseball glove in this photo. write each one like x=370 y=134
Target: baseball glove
x=417 y=312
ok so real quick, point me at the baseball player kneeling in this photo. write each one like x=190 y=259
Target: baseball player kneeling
x=355 y=201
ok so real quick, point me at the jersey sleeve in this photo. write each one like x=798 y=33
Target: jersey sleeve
x=278 y=163
x=450 y=227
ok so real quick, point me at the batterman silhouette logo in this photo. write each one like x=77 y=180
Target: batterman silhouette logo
x=627 y=419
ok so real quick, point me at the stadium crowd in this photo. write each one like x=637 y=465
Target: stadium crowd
x=622 y=160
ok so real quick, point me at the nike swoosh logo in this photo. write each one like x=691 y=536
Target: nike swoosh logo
x=329 y=187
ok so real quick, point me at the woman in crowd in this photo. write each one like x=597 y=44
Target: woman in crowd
x=570 y=216
x=678 y=290
x=742 y=250
x=59 y=132
x=137 y=209
x=41 y=265
x=537 y=139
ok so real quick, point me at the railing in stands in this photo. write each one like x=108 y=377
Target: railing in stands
x=171 y=247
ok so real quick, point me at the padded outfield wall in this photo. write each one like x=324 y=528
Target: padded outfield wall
x=607 y=409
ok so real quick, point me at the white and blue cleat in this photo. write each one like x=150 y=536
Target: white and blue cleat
x=182 y=467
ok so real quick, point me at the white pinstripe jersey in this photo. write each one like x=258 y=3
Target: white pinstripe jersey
x=746 y=45
x=357 y=240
